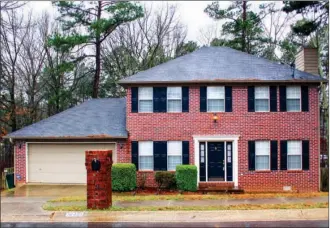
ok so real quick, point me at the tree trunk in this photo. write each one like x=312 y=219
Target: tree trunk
x=244 y=27
x=97 y=57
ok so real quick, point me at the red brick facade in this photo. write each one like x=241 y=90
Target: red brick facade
x=247 y=125
x=240 y=122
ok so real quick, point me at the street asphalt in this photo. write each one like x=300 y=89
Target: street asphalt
x=292 y=223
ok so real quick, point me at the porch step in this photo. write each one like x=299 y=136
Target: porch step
x=225 y=187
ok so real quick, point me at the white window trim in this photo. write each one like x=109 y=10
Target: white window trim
x=263 y=155
x=224 y=100
x=262 y=99
x=287 y=156
x=291 y=99
x=168 y=99
x=147 y=156
x=173 y=155
x=152 y=103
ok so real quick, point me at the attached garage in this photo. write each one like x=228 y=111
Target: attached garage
x=61 y=163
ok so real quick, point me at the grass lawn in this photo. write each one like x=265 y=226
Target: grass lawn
x=49 y=207
x=130 y=198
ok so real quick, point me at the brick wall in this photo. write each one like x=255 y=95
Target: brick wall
x=20 y=162
x=248 y=125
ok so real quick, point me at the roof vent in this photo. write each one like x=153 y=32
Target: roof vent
x=293 y=68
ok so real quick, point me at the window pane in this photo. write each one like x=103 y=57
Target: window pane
x=293 y=105
x=174 y=92
x=262 y=105
x=293 y=92
x=262 y=92
x=262 y=148
x=294 y=148
x=262 y=162
x=146 y=148
x=145 y=106
x=215 y=105
x=146 y=163
x=174 y=105
x=215 y=92
x=174 y=148
x=294 y=162
x=145 y=93
x=173 y=161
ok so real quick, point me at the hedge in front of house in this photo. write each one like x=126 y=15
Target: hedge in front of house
x=186 y=177
x=123 y=177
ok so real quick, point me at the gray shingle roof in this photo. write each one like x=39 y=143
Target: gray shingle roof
x=96 y=118
x=217 y=64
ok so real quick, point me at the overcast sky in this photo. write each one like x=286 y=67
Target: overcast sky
x=191 y=13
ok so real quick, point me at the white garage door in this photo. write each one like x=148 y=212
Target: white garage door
x=60 y=163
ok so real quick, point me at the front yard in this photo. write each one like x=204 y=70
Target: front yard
x=129 y=202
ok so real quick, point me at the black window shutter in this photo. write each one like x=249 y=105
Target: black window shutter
x=283 y=98
x=304 y=99
x=273 y=155
x=159 y=99
x=273 y=98
x=134 y=99
x=305 y=155
x=185 y=99
x=160 y=155
x=229 y=100
x=135 y=154
x=252 y=155
x=203 y=98
x=250 y=98
x=284 y=154
x=185 y=152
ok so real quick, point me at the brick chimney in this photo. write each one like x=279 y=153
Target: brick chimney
x=307 y=60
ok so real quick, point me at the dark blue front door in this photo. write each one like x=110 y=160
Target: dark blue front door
x=216 y=156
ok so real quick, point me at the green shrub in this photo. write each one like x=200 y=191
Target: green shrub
x=324 y=179
x=186 y=177
x=123 y=177
x=165 y=179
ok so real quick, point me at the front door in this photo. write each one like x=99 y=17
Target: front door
x=216 y=156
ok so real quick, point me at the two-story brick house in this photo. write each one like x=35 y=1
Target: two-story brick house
x=242 y=120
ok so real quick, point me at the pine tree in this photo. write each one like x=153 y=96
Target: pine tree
x=89 y=24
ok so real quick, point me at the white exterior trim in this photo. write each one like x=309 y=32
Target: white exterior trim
x=27 y=152
x=215 y=138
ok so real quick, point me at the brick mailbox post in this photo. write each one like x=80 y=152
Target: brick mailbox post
x=99 y=193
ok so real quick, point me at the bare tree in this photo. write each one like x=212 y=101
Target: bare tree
x=142 y=44
x=208 y=33
x=12 y=36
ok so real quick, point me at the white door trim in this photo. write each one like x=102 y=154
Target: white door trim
x=27 y=152
x=215 y=138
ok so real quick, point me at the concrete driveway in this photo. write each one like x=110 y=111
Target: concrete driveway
x=28 y=199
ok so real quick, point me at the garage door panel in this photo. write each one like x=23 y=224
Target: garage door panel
x=60 y=163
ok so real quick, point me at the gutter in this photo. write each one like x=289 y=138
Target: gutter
x=66 y=137
x=251 y=81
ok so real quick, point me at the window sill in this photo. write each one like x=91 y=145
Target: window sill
x=295 y=171
x=263 y=171
x=145 y=171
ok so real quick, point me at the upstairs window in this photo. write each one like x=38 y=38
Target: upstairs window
x=262 y=99
x=215 y=98
x=145 y=99
x=146 y=158
x=293 y=98
x=262 y=155
x=294 y=155
x=174 y=154
x=174 y=99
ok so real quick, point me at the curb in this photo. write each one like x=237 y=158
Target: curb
x=175 y=216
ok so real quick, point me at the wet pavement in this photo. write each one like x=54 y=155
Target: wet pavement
x=290 y=223
x=42 y=190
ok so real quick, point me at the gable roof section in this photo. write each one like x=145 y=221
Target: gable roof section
x=96 y=118
x=219 y=64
